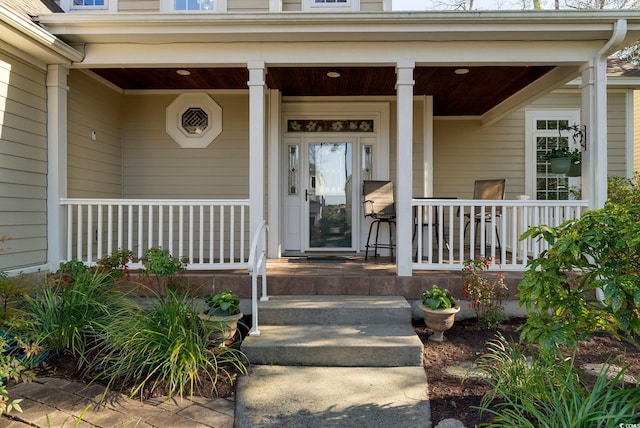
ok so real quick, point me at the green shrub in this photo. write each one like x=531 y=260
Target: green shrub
x=485 y=294
x=166 y=345
x=565 y=402
x=68 y=318
x=597 y=253
x=163 y=266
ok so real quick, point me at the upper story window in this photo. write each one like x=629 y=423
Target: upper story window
x=89 y=5
x=330 y=5
x=193 y=5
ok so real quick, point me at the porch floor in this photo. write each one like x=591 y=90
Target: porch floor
x=337 y=275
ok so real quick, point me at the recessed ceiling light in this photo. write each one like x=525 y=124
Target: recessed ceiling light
x=461 y=71
x=183 y=72
x=333 y=74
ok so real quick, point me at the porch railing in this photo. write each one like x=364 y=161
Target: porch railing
x=207 y=234
x=447 y=232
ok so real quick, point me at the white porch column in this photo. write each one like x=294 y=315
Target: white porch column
x=256 y=143
x=403 y=187
x=56 y=163
x=594 y=116
x=274 y=114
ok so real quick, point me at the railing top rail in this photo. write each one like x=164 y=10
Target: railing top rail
x=164 y=202
x=497 y=203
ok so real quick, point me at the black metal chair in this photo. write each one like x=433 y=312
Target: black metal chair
x=487 y=190
x=380 y=206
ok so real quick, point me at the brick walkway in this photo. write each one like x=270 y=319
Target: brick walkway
x=51 y=402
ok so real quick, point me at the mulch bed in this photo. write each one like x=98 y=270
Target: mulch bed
x=451 y=397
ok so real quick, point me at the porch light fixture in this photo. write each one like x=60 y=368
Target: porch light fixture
x=333 y=74
x=182 y=72
x=461 y=71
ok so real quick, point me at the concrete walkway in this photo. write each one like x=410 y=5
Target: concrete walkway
x=272 y=396
x=51 y=402
x=344 y=397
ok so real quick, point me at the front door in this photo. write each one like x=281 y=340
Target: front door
x=329 y=195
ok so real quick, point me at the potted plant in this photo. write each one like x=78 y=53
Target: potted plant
x=439 y=310
x=559 y=160
x=575 y=168
x=222 y=315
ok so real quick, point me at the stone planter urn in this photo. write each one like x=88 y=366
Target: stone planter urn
x=439 y=320
x=224 y=326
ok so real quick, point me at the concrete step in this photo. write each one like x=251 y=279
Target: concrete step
x=371 y=345
x=334 y=310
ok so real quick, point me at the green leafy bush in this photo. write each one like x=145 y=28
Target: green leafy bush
x=485 y=294
x=599 y=251
x=166 y=345
x=163 y=266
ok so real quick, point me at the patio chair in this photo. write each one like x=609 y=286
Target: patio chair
x=380 y=206
x=487 y=190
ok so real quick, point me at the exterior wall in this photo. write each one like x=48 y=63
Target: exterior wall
x=247 y=6
x=138 y=5
x=464 y=150
x=94 y=167
x=23 y=163
x=156 y=167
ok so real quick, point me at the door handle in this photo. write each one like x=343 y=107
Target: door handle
x=306 y=195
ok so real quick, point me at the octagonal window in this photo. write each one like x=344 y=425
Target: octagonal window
x=195 y=120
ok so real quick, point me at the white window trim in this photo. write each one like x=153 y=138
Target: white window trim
x=166 y=6
x=531 y=116
x=110 y=6
x=312 y=6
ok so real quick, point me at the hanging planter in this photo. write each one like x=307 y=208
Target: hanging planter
x=560 y=165
x=575 y=169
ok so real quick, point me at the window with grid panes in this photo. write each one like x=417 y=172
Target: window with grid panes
x=550 y=134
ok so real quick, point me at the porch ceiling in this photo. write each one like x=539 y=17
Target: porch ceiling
x=474 y=93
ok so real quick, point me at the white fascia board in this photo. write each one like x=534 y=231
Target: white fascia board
x=612 y=82
x=34 y=41
x=346 y=54
x=437 y=26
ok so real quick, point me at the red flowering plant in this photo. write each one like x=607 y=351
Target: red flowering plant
x=485 y=294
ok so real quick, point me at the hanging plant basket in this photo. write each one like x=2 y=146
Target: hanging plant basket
x=560 y=165
x=575 y=169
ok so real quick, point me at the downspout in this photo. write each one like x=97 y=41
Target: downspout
x=594 y=115
x=613 y=45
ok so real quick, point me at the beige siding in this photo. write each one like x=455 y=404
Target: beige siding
x=23 y=163
x=371 y=5
x=465 y=151
x=291 y=5
x=247 y=6
x=138 y=5
x=156 y=167
x=94 y=167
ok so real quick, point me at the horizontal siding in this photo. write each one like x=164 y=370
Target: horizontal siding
x=371 y=5
x=156 y=167
x=465 y=151
x=247 y=6
x=23 y=164
x=95 y=167
x=139 y=5
x=291 y=5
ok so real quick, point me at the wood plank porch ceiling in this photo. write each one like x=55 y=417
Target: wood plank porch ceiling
x=469 y=94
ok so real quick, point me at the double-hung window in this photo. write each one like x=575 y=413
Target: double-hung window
x=546 y=130
x=203 y=6
x=89 y=5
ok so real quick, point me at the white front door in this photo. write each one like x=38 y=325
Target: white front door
x=326 y=152
x=329 y=194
